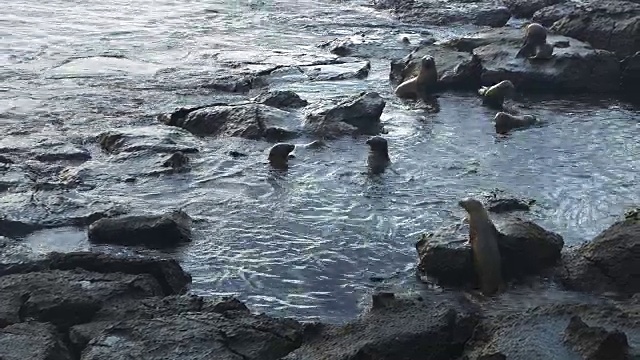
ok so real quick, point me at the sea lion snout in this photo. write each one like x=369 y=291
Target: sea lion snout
x=428 y=62
x=470 y=204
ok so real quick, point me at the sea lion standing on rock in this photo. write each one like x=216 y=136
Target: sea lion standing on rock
x=279 y=155
x=378 y=158
x=494 y=96
x=423 y=83
x=505 y=122
x=483 y=237
x=535 y=35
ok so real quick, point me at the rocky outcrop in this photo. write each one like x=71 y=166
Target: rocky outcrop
x=612 y=25
x=498 y=201
x=440 y=12
x=525 y=249
x=152 y=139
x=489 y=57
x=157 y=231
x=631 y=73
x=425 y=328
x=526 y=8
x=33 y=341
x=246 y=120
x=608 y=263
x=377 y=43
x=281 y=99
x=596 y=343
x=359 y=114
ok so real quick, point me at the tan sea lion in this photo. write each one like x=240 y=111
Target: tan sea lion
x=483 y=237
x=505 y=122
x=534 y=36
x=279 y=155
x=378 y=158
x=494 y=96
x=423 y=83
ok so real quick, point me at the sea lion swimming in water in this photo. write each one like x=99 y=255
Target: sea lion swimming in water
x=483 y=237
x=279 y=155
x=423 y=83
x=535 y=35
x=494 y=96
x=505 y=122
x=378 y=158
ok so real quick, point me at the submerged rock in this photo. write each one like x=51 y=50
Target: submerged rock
x=596 y=343
x=157 y=231
x=444 y=13
x=152 y=139
x=281 y=99
x=33 y=341
x=249 y=121
x=525 y=249
x=356 y=114
x=488 y=57
x=608 y=263
x=498 y=201
x=394 y=328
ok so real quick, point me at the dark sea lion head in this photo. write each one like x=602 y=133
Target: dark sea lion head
x=471 y=205
x=428 y=62
x=378 y=144
x=279 y=154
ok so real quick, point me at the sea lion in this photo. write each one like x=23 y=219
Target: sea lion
x=378 y=158
x=279 y=155
x=534 y=36
x=483 y=237
x=543 y=52
x=494 y=96
x=505 y=122
x=425 y=81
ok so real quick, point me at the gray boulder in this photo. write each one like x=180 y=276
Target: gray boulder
x=157 y=231
x=33 y=341
x=526 y=8
x=444 y=13
x=147 y=139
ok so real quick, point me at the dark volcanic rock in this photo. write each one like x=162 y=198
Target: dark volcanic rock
x=250 y=121
x=379 y=44
x=612 y=25
x=281 y=99
x=152 y=139
x=177 y=162
x=440 y=12
x=395 y=328
x=357 y=114
x=550 y=14
x=631 y=72
x=66 y=298
x=499 y=202
x=156 y=231
x=596 y=343
x=609 y=262
x=525 y=249
x=237 y=336
x=32 y=341
x=526 y=8
x=489 y=57
x=167 y=273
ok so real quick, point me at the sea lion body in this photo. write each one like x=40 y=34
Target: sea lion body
x=535 y=35
x=483 y=236
x=279 y=155
x=505 y=122
x=495 y=95
x=378 y=159
x=423 y=83
x=543 y=52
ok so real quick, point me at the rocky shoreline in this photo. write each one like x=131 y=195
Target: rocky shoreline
x=91 y=306
x=86 y=305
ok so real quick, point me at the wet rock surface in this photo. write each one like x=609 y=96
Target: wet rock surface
x=608 y=263
x=249 y=121
x=498 y=201
x=525 y=249
x=34 y=341
x=156 y=231
x=438 y=12
x=596 y=343
x=631 y=72
x=487 y=58
x=152 y=139
x=526 y=8
x=281 y=99
x=395 y=328
x=358 y=114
